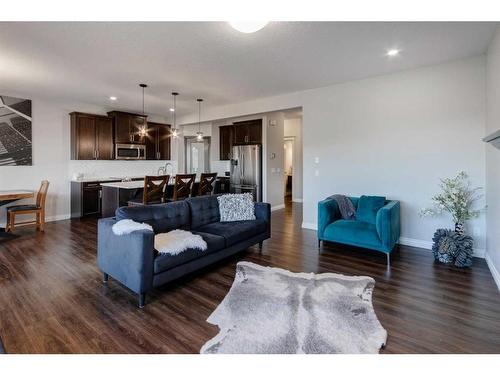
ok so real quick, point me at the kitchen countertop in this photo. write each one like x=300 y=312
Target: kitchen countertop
x=136 y=184
x=125 y=185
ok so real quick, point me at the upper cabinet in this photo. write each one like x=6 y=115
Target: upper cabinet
x=226 y=136
x=158 y=141
x=91 y=137
x=129 y=127
x=248 y=132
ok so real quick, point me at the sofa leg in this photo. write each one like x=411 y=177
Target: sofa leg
x=142 y=300
x=105 y=277
x=260 y=247
x=388 y=259
x=319 y=246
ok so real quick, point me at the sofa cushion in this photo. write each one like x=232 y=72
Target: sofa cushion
x=164 y=262
x=204 y=210
x=162 y=217
x=368 y=207
x=353 y=232
x=235 y=231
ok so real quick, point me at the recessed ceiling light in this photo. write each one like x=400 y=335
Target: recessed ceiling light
x=248 y=26
x=172 y=110
x=113 y=98
x=393 y=52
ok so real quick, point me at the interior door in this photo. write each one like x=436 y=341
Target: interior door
x=197 y=155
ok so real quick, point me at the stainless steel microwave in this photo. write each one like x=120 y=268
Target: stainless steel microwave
x=126 y=151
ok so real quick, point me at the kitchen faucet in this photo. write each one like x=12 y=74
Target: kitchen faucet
x=164 y=169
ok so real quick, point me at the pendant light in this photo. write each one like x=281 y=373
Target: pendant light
x=199 y=134
x=142 y=132
x=175 y=131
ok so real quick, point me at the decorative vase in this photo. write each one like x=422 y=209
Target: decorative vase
x=459 y=228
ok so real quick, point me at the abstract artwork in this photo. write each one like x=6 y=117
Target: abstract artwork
x=15 y=131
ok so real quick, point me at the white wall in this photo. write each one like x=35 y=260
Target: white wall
x=493 y=158
x=393 y=135
x=51 y=157
x=293 y=128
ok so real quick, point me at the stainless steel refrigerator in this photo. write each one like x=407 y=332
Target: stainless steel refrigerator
x=246 y=171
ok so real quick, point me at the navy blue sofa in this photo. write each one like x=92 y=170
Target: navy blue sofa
x=132 y=260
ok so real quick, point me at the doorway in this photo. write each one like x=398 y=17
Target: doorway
x=289 y=145
x=197 y=155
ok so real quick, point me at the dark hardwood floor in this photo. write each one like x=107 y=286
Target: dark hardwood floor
x=52 y=299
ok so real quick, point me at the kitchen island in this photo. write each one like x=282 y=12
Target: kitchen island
x=117 y=194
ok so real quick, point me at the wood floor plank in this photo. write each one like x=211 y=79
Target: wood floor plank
x=52 y=299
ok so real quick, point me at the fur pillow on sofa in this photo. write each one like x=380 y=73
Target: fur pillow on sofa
x=177 y=241
x=236 y=207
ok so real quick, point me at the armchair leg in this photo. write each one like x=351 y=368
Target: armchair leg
x=260 y=247
x=319 y=246
x=388 y=259
x=105 y=277
x=142 y=300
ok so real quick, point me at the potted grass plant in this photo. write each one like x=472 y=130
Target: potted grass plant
x=457 y=198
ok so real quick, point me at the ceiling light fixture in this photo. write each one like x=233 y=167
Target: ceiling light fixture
x=113 y=98
x=143 y=132
x=393 y=52
x=175 y=131
x=248 y=26
x=199 y=134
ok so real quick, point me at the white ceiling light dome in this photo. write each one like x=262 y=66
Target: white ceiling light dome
x=248 y=26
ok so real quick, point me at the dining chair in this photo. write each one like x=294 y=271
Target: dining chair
x=207 y=183
x=183 y=186
x=154 y=192
x=38 y=208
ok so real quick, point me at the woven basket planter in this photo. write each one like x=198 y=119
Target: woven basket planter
x=453 y=248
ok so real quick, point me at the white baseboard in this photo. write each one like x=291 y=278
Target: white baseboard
x=278 y=207
x=427 y=245
x=312 y=226
x=493 y=270
x=297 y=200
x=58 y=217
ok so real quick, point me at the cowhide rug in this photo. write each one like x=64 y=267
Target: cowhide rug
x=271 y=310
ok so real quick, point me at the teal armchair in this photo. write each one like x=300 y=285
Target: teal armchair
x=379 y=232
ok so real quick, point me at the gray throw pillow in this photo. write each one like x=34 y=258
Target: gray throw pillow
x=236 y=207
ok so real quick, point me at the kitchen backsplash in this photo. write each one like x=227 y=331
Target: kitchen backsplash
x=116 y=168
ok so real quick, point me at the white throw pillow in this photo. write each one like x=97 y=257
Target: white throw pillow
x=236 y=207
x=177 y=241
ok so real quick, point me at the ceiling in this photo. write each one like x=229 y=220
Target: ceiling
x=89 y=62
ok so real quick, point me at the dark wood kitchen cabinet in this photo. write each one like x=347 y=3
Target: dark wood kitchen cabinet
x=226 y=135
x=91 y=137
x=158 y=141
x=86 y=198
x=248 y=132
x=129 y=127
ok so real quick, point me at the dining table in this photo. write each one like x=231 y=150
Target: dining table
x=8 y=196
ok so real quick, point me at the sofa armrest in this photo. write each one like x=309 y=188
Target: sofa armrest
x=328 y=212
x=263 y=212
x=127 y=258
x=388 y=224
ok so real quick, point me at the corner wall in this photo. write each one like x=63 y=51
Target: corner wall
x=493 y=158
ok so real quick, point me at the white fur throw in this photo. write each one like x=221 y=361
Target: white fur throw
x=127 y=226
x=177 y=241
